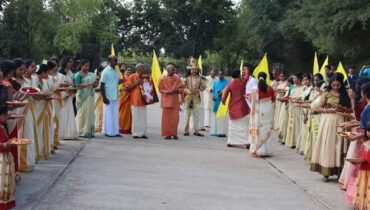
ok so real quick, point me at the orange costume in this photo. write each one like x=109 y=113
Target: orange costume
x=124 y=109
x=138 y=108
x=170 y=103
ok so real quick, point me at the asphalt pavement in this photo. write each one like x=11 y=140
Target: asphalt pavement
x=190 y=173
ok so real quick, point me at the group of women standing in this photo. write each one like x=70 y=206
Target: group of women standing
x=36 y=103
x=312 y=117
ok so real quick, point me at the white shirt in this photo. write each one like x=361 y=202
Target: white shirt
x=252 y=83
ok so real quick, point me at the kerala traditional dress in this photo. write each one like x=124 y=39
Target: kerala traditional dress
x=284 y=118
x=69 y=123
x=42 y=143
x=191 y=102
x=314 y=121
x=219 y=125
x=12 y=127
x=124 y=110
x=327 y=155
x=295 y=116
x=7 y=174
x=50 y=110
x=58 y=109
x=85 y=105
x=238 y=113
x=98 y=106
x=138 y=108
x=208 y=102
x=361 y=198
x=274 y=83
x=170 y=103
x=304 y=127
x=27 y=130
x=278 y=105
x=348 y=177
x=261 y=122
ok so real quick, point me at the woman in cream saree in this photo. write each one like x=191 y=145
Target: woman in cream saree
x=85 y=82
x=27 y=125
x=42 y=143
x=261 y=122
x=279 y=94
x=295 y=113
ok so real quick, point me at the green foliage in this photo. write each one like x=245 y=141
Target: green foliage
x=24 y=27
x=340 y=28
x=224 y=34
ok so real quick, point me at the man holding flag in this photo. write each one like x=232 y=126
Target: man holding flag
x=238 y=110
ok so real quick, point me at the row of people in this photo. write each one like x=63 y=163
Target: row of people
x=310 y=117
x=37 y=105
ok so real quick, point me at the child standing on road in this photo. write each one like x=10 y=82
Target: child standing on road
x=7 y=174
x=362 y=197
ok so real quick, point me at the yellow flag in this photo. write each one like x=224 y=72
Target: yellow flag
x=241 y=68
x=262 y=67
x=156 y=72
x=340 y=69
x=315 y=65
x=112 y=52
x=164 y=72
x=200 y=65
x=222 y=109
x=326 y=62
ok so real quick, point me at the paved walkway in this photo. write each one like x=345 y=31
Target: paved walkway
x=192 y=173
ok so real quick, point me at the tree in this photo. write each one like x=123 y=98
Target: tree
x=27 y=29
x=339 y=28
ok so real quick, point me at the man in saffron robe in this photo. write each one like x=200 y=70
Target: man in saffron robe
x=219 y=125
x=170 y=87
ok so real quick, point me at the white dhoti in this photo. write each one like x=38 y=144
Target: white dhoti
x=219 y=125
x=110 y=118
x=208 y=117
x=138 y=120
x=238 y=131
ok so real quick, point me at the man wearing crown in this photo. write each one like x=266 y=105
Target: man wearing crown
x=193 y=86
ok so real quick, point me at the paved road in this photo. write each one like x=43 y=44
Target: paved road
x=192 y=173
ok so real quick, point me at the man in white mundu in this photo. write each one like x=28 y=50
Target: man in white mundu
x=109 y=88
x=138 y=106
x=238 y=111
x=208 y=102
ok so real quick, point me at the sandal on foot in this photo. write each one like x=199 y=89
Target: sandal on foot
x=186 y=134
x=325 y=179
x=198 y=134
